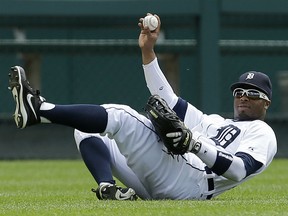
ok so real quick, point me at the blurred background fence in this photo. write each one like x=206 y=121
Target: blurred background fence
x=87 y=52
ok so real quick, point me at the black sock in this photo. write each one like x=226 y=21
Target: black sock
x=96 y=156
x=86 y=118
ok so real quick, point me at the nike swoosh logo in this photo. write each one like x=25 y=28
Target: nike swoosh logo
x=29 y=97
x=119 y=196
x=122 y=197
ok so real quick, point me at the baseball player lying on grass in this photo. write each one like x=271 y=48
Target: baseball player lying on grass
x=197 y=157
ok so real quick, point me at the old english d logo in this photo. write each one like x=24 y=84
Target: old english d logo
x=250 y=76
x=226 y=135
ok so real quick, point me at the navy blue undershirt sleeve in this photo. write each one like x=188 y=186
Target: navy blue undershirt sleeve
x=222 y=163
x=251 y=165
x=181 y=108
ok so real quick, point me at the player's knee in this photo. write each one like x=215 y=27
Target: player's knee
x=77 y=138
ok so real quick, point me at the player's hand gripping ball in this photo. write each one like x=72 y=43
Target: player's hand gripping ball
x=150 y=21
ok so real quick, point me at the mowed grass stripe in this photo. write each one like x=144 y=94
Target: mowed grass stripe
x=62 y=187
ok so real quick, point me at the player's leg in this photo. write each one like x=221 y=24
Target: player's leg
x=102 y=156
x=97 y=159
x=161 y=175
x=164 y=176
x=31 y=108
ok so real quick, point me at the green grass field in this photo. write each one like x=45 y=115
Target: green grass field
x=63 y=188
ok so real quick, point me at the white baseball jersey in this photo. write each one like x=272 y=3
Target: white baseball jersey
x=140 y=160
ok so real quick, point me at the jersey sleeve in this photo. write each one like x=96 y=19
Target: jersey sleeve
x=158 y=84
x=259 y=141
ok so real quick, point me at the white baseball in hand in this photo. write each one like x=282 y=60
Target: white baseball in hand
x=150 y=21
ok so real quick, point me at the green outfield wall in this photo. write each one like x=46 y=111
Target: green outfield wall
x=87 y=52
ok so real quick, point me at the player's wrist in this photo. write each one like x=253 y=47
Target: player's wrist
x=195 y=146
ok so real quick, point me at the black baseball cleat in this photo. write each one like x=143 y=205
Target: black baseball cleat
x=27 y=99
x=114 y=192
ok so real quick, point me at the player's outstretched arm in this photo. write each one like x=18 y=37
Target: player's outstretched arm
x=232 y=166
x=155 y=79
x=147 y=40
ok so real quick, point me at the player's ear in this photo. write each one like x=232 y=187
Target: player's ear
x=266 y=105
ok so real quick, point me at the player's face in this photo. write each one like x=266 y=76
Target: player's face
x=247 y=108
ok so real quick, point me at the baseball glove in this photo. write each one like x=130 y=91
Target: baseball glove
x=168 y=126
